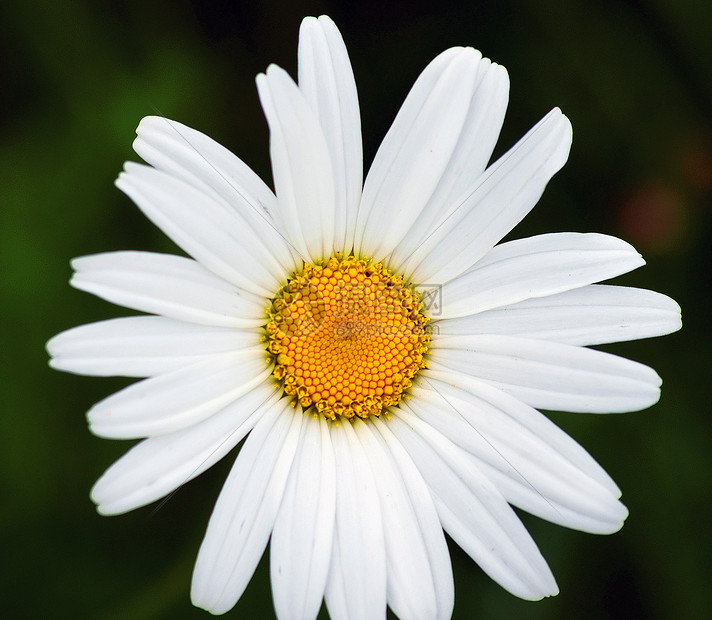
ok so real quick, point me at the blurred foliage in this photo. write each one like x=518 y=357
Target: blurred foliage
x=75 y=79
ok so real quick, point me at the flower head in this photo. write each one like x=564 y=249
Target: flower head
x=375 y=419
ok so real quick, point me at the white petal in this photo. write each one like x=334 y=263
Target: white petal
x=494 y=204
x=327 y=81
x=537 y=267
x=301 y=165
x=337 y=584
x=409 y=579
x=415 y=152
x=197 y=159
x=473 y=512
x=300 y=548
x=589 y=315
x=418 y=557
x=206 y=228
x=549 y=375
x=174 y=400
x=523 y=454
x=357 y=576
x=244 y=514
x=474 y=149
x=159 y=465
x=142 y=346
x=173 y=286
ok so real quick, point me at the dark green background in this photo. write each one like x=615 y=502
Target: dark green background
x=75 y=79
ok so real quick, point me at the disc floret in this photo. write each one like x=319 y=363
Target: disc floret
x=347 y=337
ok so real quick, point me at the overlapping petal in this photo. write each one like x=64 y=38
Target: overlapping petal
x=180 y=398
x=246 y=509
x=438 y=571
x=191 y=156
x=205 y=228
x=356 y=587
x=494 y=204
x=142 y=346
x=472 y=511
x=536 y=267
x=159 y=465
x=533 y=463
x=474 y=148
x=327 y=81
x=549 y=375
x=301 y=166
x=590 y=315
x=415 y=152
x=176 y=287
x=301 y=543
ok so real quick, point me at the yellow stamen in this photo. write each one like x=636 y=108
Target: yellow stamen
x=347 y=337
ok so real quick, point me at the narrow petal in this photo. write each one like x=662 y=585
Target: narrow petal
x=525 y=456
x=205 y=227
x=244 y=514
x=178 y=399
x=337 y=585
x=494 y=204
x=327 y=81
x=410 y=587
x=415 y=153
x=197 y=159
x=595 y=314
x=469 y=159
x=176 y=287
x=159 y=465
x=301 y=544
x=549 y=375
x=537 y=267
x=357 y=576
x=414 y=522
x=301 y=165
x=142 y=346
x=472 y=510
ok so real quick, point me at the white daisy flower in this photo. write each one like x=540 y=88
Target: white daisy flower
x=374 y=421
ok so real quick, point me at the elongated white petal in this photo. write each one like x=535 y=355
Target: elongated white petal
x=412 y=521
x=410 y=587
x=472 y=510
x=159 y=465
x=301 y=165
x=142 y=346
x=327 y=81
x=337 y=584
x=513 y=443
x=537 y=267
x=549 y=375
x=197 y=159
x=300 y=547
x=174 y=400
x=244 y=514
x=357 y=576
x=474 y=149
x=205 y=227
x=494 y=204
x=595 y=314
x=173 y=286
x=415 y=152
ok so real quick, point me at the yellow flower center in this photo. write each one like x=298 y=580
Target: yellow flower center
x=347 y=337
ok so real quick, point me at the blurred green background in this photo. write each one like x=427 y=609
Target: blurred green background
x=75 y=79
